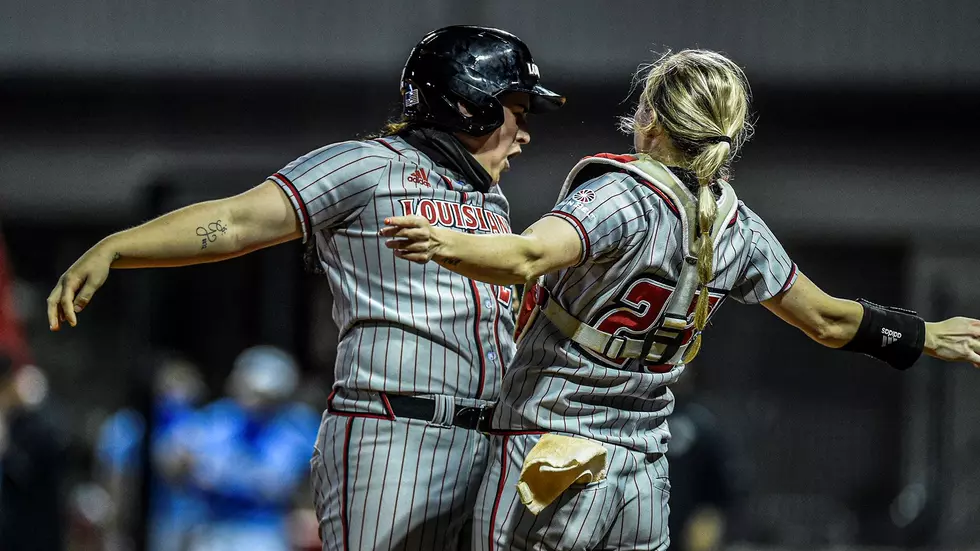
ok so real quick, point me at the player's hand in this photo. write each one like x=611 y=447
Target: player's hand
x=954 y=340
x=76 y=287
x=414 y=238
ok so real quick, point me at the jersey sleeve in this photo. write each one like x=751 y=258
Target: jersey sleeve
x=607 y=214
x=331 y=185
x=768 y=269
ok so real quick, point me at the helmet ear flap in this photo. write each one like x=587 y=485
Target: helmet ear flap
x=479 y=112
x=485 y=119
x=460 y=107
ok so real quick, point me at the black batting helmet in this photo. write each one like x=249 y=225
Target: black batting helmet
x=473 y=66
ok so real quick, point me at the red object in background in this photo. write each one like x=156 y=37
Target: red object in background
x=12 y=342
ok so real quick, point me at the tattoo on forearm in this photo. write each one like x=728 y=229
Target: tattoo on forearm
x=210 y=233
x=451 y=261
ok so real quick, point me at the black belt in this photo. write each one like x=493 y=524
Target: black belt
x=424 y=409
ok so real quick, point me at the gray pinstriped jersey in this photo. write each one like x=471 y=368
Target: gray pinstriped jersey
x=404 y=328
x=631 y=239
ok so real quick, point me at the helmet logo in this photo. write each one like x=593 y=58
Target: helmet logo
x=411 y=96
x=533 y=69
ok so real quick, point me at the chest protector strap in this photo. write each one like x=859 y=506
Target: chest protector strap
x=663 y=344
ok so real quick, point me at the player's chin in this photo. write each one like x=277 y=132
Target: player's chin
x=495 y=175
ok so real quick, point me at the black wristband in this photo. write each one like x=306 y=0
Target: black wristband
x=892 y=335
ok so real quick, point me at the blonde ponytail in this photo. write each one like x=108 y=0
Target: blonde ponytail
x=694 y=110
x=707 y=166
x=391 y=128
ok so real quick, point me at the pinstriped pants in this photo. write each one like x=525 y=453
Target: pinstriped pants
x=399 y=484
x=625 y=511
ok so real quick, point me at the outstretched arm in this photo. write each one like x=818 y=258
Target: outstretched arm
x=503 y=259
x=830 y=321
x=834 y=322
x=199 y=233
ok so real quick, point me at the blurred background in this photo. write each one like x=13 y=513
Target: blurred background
x=113 y=111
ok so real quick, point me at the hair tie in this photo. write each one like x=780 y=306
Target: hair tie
x=718 y=139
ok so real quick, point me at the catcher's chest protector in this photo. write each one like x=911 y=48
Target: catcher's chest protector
x=667 y=347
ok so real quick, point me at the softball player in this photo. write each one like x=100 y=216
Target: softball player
x=398 y=458
x=637 y=255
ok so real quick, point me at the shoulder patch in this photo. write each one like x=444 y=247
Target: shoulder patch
x=584 y=196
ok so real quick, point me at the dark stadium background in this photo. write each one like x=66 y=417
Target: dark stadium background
x=864 y=163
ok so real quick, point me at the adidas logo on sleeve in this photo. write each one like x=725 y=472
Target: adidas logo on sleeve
x=889 y=337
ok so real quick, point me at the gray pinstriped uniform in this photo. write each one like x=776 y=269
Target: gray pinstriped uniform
x=380 y=482
x=631 y=236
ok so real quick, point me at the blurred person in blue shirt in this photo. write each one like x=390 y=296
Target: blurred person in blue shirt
x=249 y=453
x=175 y=507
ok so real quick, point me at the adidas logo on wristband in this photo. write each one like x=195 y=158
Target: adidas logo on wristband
x=888 y=336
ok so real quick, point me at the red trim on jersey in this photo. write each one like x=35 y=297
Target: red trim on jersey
x=388 y=145
x=658 y=191
x=496 y=333
x=659 y=368
x=479 y=341
x=507 y=432
x=789 y=280
x=307 y=223
x=389 y=416
x=500 y=489
x=391 y=412
x=586 y=246
x=625 y=159
x=344 y=521
x=734 y=219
